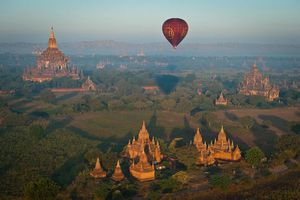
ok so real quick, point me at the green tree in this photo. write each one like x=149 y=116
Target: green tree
x=219 y=181
x=289 y=142
x=254 y=156
x=43 y=189
x=37 y=131
x=168 y=104
x=102 y=191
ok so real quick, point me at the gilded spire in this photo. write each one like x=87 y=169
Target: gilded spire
x=143 y=125
x=98 y=172
x=237 y=149
x=52 y=33
x=143 y=134
x=118 y=174
x=222 y=134
x=52 y=41
x=197 y=137
x=98 y=165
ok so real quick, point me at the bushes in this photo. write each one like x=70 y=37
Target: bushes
x=122 y=191
x=169 y=185
x=219 y=181
x=254 y=156
x=288 y=142
x=43 y=189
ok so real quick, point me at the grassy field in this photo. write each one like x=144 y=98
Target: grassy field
x=125 y=124
x=279 y=117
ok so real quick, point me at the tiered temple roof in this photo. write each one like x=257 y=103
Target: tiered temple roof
x=142 y=171
x=198 y=142
x=136 y=147
x=255 y=84
x=50 y=63
x=222 y=148
x=118 y=174
x=89 y=85
x=98 y=171
x=221 y=100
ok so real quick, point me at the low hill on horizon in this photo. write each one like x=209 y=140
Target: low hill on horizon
x=110 y=47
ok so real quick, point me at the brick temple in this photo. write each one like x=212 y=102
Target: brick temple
x=50 y=63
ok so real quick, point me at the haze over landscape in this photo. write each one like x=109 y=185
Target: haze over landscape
x=134 y=21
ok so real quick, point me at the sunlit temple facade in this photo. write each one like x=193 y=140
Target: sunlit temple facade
x=118 y=174
x=98 y=172
x=221 y=100
x=50 y=63
x=221 y=149
x=136 y=150
x=137 y=146
x=255 y=84
x=142 y=170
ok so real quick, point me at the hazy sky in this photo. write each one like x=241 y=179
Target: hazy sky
x=210 y=21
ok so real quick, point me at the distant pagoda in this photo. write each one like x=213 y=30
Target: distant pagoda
x=118 y=174
x=50 y=63
x=255 y=84
x=87 y=86
x=221 y=100
x=98 y=172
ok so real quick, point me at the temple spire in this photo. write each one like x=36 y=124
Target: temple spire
x=52 y=41
x=144 y=125
x=222 y=134
x=118 y=174
x=98 y=165
x=52 y=33
x=197 y=137
x=98 y=172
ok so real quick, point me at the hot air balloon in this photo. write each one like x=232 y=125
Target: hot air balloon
x=175 y=29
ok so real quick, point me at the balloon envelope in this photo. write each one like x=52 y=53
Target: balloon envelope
x=175 y=29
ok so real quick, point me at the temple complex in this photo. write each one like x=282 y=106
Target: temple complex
x=87 y=86
x=118 y=174
x=255 y=84
x=142 y=171
x=221 y=100
x=221 y=149
x=98 y=171
x=136 y=147
x=50 y=63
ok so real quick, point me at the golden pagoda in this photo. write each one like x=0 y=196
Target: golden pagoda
x=98 y=171
x=222 y=149
x=135 y=147
x=198 y=141
x=118 y=174
x=221 y=100
x=206 y=158
x=142 y=171
x=255 y=84
x=50 y=63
